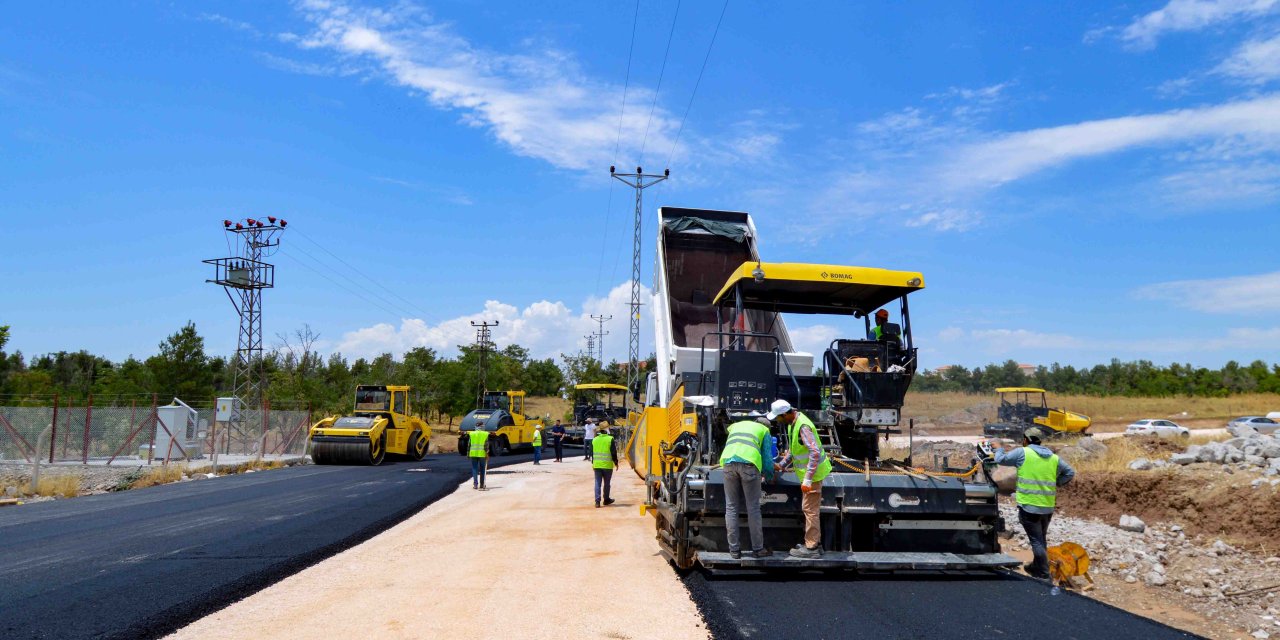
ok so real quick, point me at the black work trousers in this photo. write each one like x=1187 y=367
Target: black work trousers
x=1037 y=527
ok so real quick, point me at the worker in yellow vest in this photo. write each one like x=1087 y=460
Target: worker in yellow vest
x=1040 y=473
x=604 y=459
x=746 y=459
x=479 y=454
x=811 y=465
x=537 y=444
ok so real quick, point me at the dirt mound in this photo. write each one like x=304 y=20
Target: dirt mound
x=1203 y=504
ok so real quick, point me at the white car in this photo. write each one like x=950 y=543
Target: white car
x=1157 y=428
x=1258 y=423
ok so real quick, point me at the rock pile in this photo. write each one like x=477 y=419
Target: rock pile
x=1200 y=574
x=1250 y=451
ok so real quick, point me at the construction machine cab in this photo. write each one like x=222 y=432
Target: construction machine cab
x=862 y=382
x=597 y=401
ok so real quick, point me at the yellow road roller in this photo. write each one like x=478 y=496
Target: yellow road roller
x=380 y=425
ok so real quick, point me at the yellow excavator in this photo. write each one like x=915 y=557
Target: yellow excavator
x=381 y=424
x=1023 y=407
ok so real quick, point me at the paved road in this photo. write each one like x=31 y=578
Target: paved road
x=145 y=562
x=908 y=607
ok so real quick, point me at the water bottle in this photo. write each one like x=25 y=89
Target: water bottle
x=1055 y=590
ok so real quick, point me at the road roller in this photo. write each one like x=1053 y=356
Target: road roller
x=501 y=413
x=380 y=425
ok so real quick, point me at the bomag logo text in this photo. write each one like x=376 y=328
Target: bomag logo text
x=837 y=276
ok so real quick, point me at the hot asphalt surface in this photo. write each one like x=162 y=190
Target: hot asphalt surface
x=145 y=562
x=907 y=607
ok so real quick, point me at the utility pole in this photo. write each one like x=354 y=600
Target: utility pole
x=591 y=345
x=638 y=181
x=484 y=343
x=600 y=334
x=243 y=277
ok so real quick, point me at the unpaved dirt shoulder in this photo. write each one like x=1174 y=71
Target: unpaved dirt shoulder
x=530 y=558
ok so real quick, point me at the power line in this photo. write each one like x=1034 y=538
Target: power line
x=645 y=141
x=693 y=95
x=400 y=309
x=338 y=284
x=424 y=312
x=617 y=142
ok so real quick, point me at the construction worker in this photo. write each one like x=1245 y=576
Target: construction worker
x=479 y=454
x=877 y=332
x=745 y=459
x=604 y=459
x=588 y=432
x=1040 y=473
x=557 y=440
x=811 y=465
x=537 y=444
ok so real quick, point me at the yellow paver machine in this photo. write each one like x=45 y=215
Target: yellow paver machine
x=1024 y=407
x=381 y=424
x=724 y=354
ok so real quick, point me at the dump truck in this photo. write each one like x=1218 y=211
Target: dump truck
x=599 y=401
x=501 y=413
x=381 y=424
x=1023 y=407
x=725 y=354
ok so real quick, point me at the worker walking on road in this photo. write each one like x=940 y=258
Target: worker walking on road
x=746 y=458
x=811 y=465
x=1040 y=473
x=479 y=454
x=604 y=459
x=537 y=444
x=557 y=440
x=588 y=434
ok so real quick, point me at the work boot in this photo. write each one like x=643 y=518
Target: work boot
x=597 y=504
x=761 y=553
x=736 y=554
x=609 y=501
x=806 y=552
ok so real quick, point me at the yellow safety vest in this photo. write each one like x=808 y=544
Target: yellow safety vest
x=479 y=438
x=1038 y=479
x=800 y=453
x=537 y=437
x=602 y=451
x=745 y=439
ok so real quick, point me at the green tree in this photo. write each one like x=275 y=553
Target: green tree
x=181 y=369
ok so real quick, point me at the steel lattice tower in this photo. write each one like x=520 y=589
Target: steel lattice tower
x=244 y=277
x=638 y=181
x=600 y=334
x=482 y=340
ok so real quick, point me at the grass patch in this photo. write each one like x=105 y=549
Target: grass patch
x=55 y=487
x=253 y=465
x=159 y=476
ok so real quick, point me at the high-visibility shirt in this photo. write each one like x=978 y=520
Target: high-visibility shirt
x=1038 y=479
x=800 y=453
x=479 y=438
x=537 y=437
x=876 y=332
x=745 y=439
x=602 y=451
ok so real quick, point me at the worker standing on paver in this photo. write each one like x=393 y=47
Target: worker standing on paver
x=588 y=434
x=479 y=454
x=746 y=459
x=811 y=465
x=604 y=459
x=1040 y=473
x=537 y=444
x=557 y=440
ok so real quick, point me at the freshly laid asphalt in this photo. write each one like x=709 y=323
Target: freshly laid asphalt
x=142 y=563
x=917 y=607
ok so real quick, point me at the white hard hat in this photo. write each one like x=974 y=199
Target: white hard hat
x=778 y=408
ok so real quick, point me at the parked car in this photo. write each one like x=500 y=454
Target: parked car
x=1158 y=428
x=1259 y=424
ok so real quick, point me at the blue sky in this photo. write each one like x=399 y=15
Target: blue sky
x=1076 y=183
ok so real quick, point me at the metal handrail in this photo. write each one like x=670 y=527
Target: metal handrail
x=836 y=356
x=778 y=352
x=702 y=354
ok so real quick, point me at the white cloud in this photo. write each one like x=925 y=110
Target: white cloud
x=539 y=103
x=1017 y=155
x=1255 y=61
x=946 y=220
x=1191 y=15
x=816 y=338
x=988 y=345
x=546 y=328
x=1007 y=341
x=1235 y=295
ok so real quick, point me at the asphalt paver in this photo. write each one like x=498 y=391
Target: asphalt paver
x=142 y=563
x=916 y=607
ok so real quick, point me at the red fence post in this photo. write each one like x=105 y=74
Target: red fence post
x=53 y=433
x=156 y=418
x=88 y=417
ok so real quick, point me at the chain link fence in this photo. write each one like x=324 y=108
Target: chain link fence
x=107 y=433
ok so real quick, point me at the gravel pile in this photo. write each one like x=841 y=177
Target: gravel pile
x=1201 y=574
